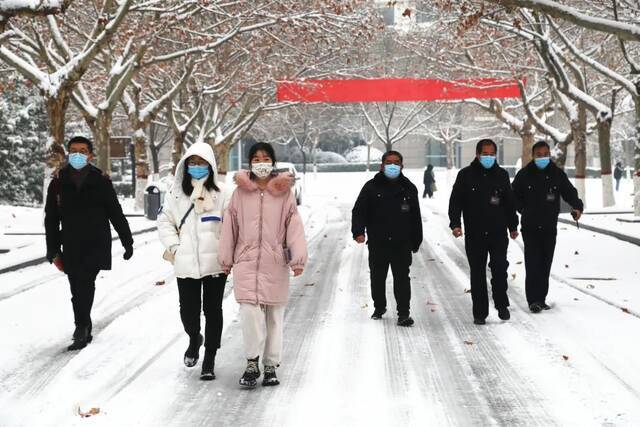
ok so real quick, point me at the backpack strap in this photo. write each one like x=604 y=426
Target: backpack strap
x=184 y=218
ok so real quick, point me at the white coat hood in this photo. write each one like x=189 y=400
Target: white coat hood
x=203 y=150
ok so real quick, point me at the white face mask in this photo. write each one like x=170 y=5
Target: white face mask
x=262 y=170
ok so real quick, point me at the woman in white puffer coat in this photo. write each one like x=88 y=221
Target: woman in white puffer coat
x=189 y=226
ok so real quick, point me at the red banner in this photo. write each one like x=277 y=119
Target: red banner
x=408 y=90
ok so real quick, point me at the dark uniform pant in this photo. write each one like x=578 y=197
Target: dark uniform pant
x=212 y=290
x=83 y=289
x=479 y=248
x=538 y=257
x=380 y=258
x=427 y=191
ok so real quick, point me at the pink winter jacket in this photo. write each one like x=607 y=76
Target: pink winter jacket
x=253 y=240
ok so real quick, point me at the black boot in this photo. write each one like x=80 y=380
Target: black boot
x=81 y=337
x=535 y=307
x=377 y=313
x=270 y=378
x=479 y=321
x=503 y=313
x=208 y=363
x=192 y=354
x=251 y=374
x=405 y=320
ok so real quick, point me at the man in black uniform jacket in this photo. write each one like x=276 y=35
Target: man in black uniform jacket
x=83 y=201
x=388 y=209
x=482 y=194
x=537 y=189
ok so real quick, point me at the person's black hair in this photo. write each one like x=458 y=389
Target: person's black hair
x=262 y=146
x=392 y=153
x=187 y=187
x=80 y=140
x=484 y=142
x=429 y=167
x=539 y=144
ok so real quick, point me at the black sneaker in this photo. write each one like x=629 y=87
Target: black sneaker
x=503 y=313
x=535 y=307
x=545 y=306
x=81 y=337
x=478 y=321
x=405 y=321
x=269 y=379
x=192 y=354
x=251 y=374
x=208 y=363
x=377 y=313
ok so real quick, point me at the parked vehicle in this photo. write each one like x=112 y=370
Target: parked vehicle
x=297 y=186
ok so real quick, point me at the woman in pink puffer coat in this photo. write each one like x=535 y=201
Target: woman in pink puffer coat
x=262 y=238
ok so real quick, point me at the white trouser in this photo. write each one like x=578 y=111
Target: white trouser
x=262 y=327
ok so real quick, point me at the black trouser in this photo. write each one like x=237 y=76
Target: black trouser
x=427 y=190
x=83 y=289
x=212 y=289
x=399 y=258
x=478 y=248
x=538 y=257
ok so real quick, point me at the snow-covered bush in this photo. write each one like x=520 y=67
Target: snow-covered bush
x=23 y=130
x=329 y=157
x=359 y=154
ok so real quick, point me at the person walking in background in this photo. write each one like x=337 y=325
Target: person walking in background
x=538 y=188
x=618 y=173
x=429 y=182
x=262 y=238
x=387 y=212
x=482 y=195
x=189 y=226
x=81 y=202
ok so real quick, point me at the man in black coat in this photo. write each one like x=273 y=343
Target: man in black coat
x=537 y=189
x=82 y=200
x=388 y=211
x=482 y=194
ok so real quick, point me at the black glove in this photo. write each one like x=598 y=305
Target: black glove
x=128 y=252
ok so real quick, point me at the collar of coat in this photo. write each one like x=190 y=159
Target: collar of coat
x=381 y=179
x=65 y=172
x=279 y=184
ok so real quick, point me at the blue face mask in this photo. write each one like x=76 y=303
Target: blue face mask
x=487 y=161
x=392 y=171
x=198 y=172
x=78 y=160
x=542 y=162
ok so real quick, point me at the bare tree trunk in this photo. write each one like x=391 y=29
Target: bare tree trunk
x=369 y=156
x=103 y=140
x=580 y=147
x=636 y=156
x=56 y=112
x=139 y=140
x=221 y=152
x=178 y=148
x=448 y=143
x=528 y=139
x=604 y=143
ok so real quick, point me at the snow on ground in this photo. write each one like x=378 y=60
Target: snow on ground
x=574 y=365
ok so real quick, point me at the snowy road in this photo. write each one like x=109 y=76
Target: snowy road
x=574 y=365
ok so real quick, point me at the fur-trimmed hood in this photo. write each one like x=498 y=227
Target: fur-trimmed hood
x=279 y=184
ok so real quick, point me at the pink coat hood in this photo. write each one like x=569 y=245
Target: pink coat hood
x=259 y=227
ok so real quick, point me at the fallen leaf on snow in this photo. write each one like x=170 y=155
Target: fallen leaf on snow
x=468 y=342
x=433 y=310
x=431 y=259
x=364 y=306
x=565 y=357
x=519 y=262
x=577 y=253
x=625 y=310
x=431 y=303
x=310 y=284
x=513 y=276
x=91 y=412
x=590 y=287
x=159 y=283
x=467 y=291
x=576 y=299
x=566 y=266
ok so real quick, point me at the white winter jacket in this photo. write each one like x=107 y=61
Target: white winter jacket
x=196 y=246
